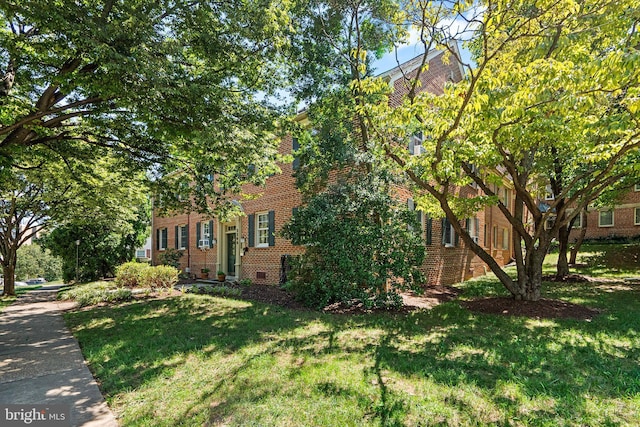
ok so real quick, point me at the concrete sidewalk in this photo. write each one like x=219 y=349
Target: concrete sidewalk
x=41 y=362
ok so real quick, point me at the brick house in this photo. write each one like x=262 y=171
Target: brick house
x=621 y=220
x=250 y=246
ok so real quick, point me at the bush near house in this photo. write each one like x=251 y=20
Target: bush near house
x=95 y=293
x=160 y=276
x=362 y=246
x=130 y=274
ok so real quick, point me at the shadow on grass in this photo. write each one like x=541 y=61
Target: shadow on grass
x=564 y=362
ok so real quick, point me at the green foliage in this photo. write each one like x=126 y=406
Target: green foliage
x=552 y=98
x=157 y=84
x=171 y=257
x=160 y=276
x=35 y=261
x=246 y=282
x=96 y=293
x=359 y=242
x=223 y=291
x=130 y=274
x=104 y=243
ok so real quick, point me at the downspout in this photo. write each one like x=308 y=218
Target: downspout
x=189 y=245
x=153 y=243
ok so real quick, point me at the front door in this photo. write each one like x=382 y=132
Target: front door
x=231 y=253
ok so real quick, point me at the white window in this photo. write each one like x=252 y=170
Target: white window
x=206 y=232
x=577 y=223
x=637 y=216
x=162 y=238
x=548 y=194
x=183 y=236
x=495 y=236
x=262 y=230
x=473 y=228
x=505 y=239
x=448 y=234
x=605 y=219
x=141 y=253
x=507 y=198
x=637 y=187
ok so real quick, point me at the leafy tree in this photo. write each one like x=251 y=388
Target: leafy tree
x=361 y=244
x=34 y=261
x=92 y=248
x=178 y=85
x=553 y=93
x=357 y=242
x=49 y=192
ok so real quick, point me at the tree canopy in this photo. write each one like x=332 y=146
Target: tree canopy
x=172 y=85
x=553 y=95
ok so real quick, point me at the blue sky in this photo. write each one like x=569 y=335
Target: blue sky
x=405 y=53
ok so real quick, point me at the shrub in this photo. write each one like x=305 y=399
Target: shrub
x=361 y=245
x=246 y=282
x=171 y=257
x=95 y=293
x=130 y=274
x=160 y=276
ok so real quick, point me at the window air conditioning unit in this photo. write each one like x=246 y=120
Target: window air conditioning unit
x=475 y=239
x=204 y=243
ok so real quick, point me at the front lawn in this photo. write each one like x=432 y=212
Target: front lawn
x=202 y=360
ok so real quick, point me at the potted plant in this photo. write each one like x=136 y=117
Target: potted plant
x=205 y=273
x=221 y=276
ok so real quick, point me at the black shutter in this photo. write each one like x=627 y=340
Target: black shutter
x=252 y=230
x=211 y=233
x=177 y=229
x=272 y=228
x=419 y=219
x=158 y=239
x=296 y=160
x=467 y=225
x=429 y=237
x=294 y=211
x=198 y=234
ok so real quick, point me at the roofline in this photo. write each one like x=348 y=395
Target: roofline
x=412 y=64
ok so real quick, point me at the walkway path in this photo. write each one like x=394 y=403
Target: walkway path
x=41 y=362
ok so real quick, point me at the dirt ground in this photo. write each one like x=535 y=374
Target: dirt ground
x=432 y=296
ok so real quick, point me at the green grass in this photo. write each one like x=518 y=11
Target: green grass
x=6 y=301
x=614 y=261
x=202 y=360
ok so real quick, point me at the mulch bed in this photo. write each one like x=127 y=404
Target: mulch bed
x=541 y=309
x=432 y=296
x=270 y=294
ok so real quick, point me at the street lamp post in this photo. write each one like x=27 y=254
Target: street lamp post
x=77 y=257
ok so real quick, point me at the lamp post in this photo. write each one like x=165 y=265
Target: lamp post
x=77 y=257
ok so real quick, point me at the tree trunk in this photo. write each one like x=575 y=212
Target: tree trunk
x=530 y=280
x=562 y=267
x=9 y=279
x=576 y=247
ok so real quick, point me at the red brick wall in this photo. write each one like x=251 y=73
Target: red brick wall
x=623 y=220
x=443 y=265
